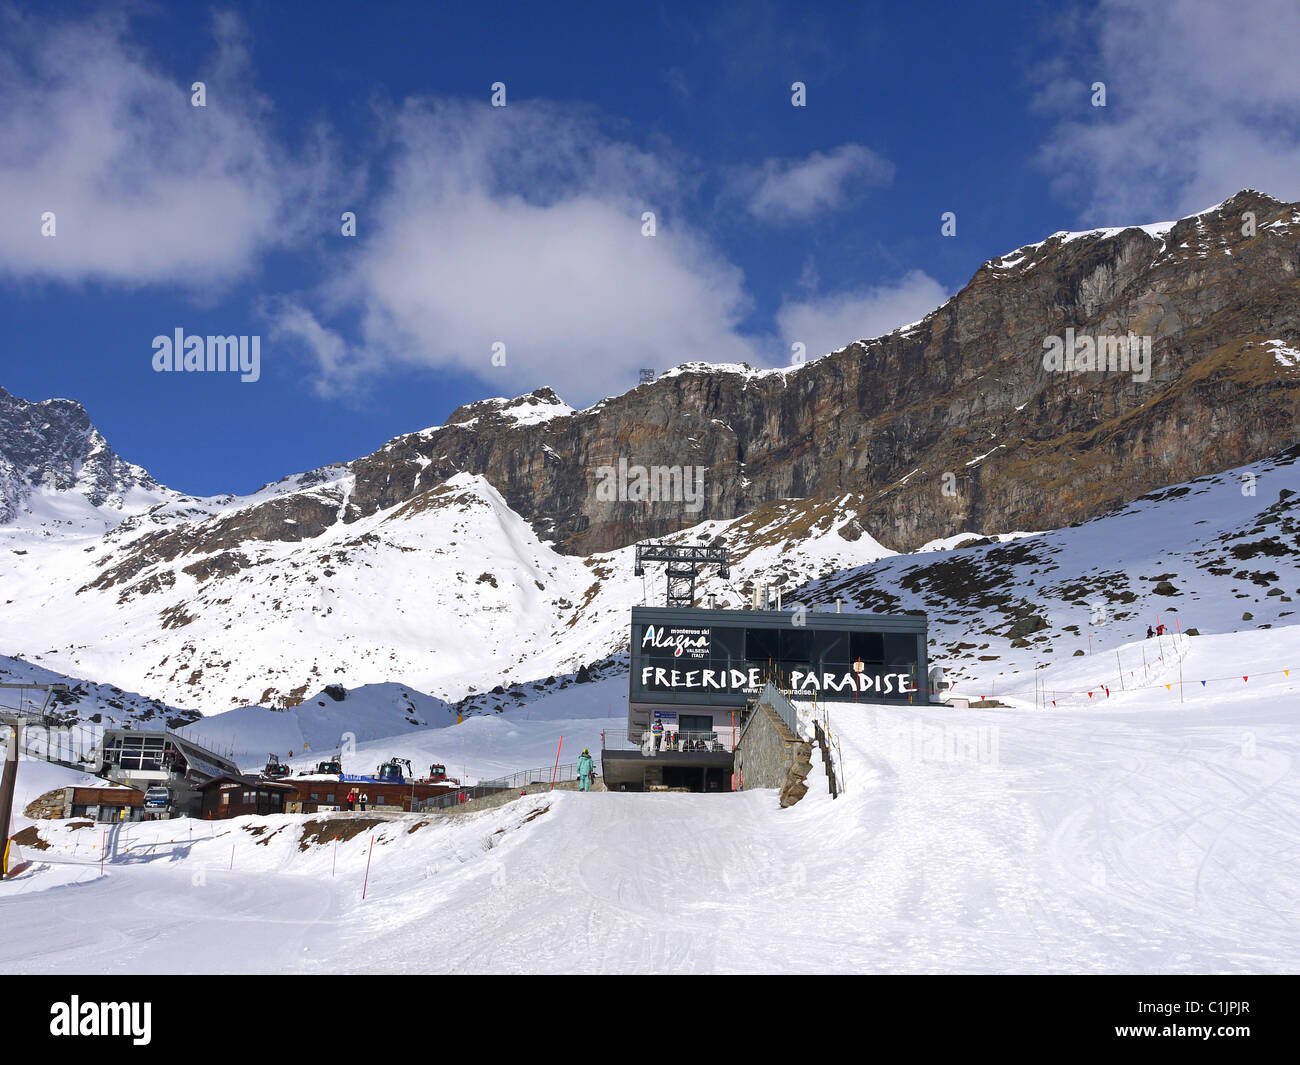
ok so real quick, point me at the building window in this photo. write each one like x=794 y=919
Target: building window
x=900 y=649
x=225 y=798
x=762 y=645
x=138 y=752
x=867 y=647
x=796 y=647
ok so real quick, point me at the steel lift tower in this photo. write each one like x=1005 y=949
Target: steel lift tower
x=683 y=567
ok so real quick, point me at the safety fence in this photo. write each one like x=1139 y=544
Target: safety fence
x=832 y=756
x=543 y=775
x=669 y=740
x=779 y=702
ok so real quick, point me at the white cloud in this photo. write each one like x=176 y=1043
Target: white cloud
x=1202 y=101
x=830 y=322
x=522 y=225
x=144 y=187
x=795 y=189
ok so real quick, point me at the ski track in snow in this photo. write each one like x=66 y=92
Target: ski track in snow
x=1141 y=835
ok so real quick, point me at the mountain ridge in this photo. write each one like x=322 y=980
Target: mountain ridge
x=468 y=556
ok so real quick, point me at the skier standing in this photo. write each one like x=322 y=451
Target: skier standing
x=586 y=769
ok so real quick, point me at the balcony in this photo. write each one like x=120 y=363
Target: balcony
x=646 y=744
x=671 y=761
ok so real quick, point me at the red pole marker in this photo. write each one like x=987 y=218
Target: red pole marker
x=368 y=854
x=557 y=763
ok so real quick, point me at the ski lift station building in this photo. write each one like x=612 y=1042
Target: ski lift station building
x=696 y=671
x=143 y=758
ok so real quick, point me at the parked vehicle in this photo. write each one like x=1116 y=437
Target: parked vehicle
x=158 y=797
x=275 y=769
x=437 y=775
x=331 y=767
x=391 y=771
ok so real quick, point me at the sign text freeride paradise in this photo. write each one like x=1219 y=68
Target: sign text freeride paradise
x=657 y=678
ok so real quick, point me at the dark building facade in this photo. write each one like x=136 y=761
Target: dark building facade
x=693 y=672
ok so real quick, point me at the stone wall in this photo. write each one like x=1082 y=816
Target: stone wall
x=769 y=756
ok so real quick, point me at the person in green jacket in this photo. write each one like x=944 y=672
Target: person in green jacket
x=586 y=770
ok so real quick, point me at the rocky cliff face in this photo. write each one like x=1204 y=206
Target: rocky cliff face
x=53 y=445
x=456 y=549
x=952 y=424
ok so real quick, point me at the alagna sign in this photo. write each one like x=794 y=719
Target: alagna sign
x=684 y=642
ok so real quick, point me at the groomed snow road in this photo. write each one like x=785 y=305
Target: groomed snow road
x=1142 y=835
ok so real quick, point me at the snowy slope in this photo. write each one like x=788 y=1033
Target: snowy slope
x=1139 y=835
x=1219 y=555
x=452 y=594
x=246 y=734
x=367 y=728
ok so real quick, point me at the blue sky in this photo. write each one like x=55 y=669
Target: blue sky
x=522 y=225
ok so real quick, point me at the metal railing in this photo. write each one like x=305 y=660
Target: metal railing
x=541 y=776
x=782 y=707
x=832 y=756
x=669 y=741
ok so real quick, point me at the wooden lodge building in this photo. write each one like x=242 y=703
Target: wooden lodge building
x=234 y=795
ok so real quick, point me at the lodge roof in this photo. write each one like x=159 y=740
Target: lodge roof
x=239 y=780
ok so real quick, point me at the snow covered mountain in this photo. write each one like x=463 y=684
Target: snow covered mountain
x=57 y=471
x=461 y=559
x=453 y=595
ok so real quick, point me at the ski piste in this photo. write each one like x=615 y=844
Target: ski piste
x=561 y=491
